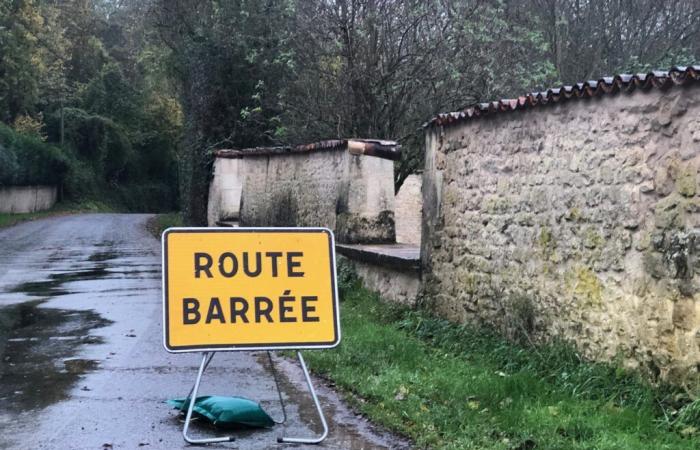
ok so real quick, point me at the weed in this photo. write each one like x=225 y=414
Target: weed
x=156 y=225
x=63 y=208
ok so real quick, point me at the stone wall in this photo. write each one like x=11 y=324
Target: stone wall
x=578 y=220
x=27 y=199
x=392 y=284
x=225 y=191
x=392 y=271
x=351 y=194
x=408 y=206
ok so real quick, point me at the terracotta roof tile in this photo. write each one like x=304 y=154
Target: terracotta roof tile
x=676 y=76
x=370 y=147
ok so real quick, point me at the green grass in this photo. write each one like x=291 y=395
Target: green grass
x=456 y=387
x=8 y=220
x=161 y=222
x=155 y=226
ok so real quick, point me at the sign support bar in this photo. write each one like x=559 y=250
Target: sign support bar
x=206 y=359
x=192 y=396
x=317 y=440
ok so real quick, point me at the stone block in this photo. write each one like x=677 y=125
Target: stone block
x=684 y=313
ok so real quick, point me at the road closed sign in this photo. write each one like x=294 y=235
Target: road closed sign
x=249 y=289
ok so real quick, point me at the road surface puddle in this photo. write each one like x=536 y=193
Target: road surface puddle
x=58 y=284
x=37 y=353
x=53 y=287
x=38 y=345
x=103 y=256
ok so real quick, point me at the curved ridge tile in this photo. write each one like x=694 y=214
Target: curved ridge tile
x=609 y=85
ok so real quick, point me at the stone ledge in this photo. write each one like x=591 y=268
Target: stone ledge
x=396 y=256
x=227 y=223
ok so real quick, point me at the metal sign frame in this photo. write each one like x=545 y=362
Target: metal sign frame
x=208 y=352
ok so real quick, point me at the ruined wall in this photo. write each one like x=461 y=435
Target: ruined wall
x=408 y=206
x=353 y=195
x=225 y=190
x=578 y=220
x=276 y=192
x=27 y=199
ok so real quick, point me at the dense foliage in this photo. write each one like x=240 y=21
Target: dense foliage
x=139 y=92
x=26 y=160
x=86 y=77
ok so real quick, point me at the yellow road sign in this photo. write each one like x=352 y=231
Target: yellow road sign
x=249 y=289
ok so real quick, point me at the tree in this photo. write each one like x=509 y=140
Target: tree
x=229 y=58
x=587 y=39
x=20 y=22
x=381 y=68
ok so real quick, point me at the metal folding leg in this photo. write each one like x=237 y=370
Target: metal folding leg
x=279 y=391
x=211 y=356
x=206 y=359
x=318 y=440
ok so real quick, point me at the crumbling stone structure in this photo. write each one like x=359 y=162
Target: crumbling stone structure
x=345 y=185
x=575 y=214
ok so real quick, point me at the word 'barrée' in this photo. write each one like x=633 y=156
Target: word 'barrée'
x=240 y=310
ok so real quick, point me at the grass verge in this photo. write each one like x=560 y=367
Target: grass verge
x=456 y=387
x=156 y=225
x=8 y=219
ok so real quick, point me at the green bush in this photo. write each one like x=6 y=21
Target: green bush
x=147 y=197
x=81 y=183
x=95 y=139
x=26 y=160
x=8 y=166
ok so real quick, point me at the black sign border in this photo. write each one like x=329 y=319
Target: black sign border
x=248 y=347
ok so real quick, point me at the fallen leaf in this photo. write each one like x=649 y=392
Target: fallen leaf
x=401 y=394
x=688 y=431
x=505 y=402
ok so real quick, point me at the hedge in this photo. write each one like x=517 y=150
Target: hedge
x=26 y=160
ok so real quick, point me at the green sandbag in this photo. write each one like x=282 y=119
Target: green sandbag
x=226 y=411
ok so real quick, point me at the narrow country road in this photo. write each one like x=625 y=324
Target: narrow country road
x=82 y=365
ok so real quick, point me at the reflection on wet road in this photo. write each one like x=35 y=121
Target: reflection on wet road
x=40 y=344
x=81 y=358
x=37 y=346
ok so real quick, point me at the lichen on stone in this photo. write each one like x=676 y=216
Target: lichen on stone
x=686 y=184
x=573 y=214
x=668 y=213
x=586 y=286
x=591 y=238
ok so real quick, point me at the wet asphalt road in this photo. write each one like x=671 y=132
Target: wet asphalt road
x=82 y=364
